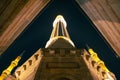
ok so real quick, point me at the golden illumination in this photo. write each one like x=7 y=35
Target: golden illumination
x=55 y=35
x=59 y=18
x=97 y=60
x=7 y=71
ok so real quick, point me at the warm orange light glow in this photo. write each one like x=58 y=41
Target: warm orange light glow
x=59 y=18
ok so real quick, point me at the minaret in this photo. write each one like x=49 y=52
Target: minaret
x=101 y=66
x=8 y=71
x=59 y=35
x=60 y=60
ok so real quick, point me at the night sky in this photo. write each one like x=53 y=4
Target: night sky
x=80 y=28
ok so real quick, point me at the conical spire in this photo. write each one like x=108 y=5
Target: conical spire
x=59 y=31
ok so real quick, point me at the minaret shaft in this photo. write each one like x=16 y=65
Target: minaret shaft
x=8 y=71
x=59 y=32
x=59 y=28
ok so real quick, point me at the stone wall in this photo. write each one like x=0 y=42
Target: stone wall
x=105 y=16
x=20 y=21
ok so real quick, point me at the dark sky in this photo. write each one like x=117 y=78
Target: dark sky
x=80 y=28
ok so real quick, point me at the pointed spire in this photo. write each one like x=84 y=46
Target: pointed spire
x=87 y=46
x=59 y=31
x=22 y=53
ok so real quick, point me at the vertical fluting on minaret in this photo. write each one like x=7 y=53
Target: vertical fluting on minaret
x=59 y=31
x=59 y=27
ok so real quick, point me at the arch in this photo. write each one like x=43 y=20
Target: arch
x=30 y=62
x=24 y=66
x=104 y=74
x=93 y=63
x=87 y=57
x=98 y=68
x=36 y=56
x=18 y=73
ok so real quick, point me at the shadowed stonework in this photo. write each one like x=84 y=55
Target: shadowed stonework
x=63 y=64
x=15 y=15
x=8 y=11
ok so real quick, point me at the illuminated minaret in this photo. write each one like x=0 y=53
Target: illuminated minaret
x=59 y=37
x=107 y=75
x=60 y=60
x=8 y=71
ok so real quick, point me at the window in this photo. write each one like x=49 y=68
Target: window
x=87 y=57
x=18 y=73
x=30 y=62
x=36 y=56
x=93 y=63
x=24 y=66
